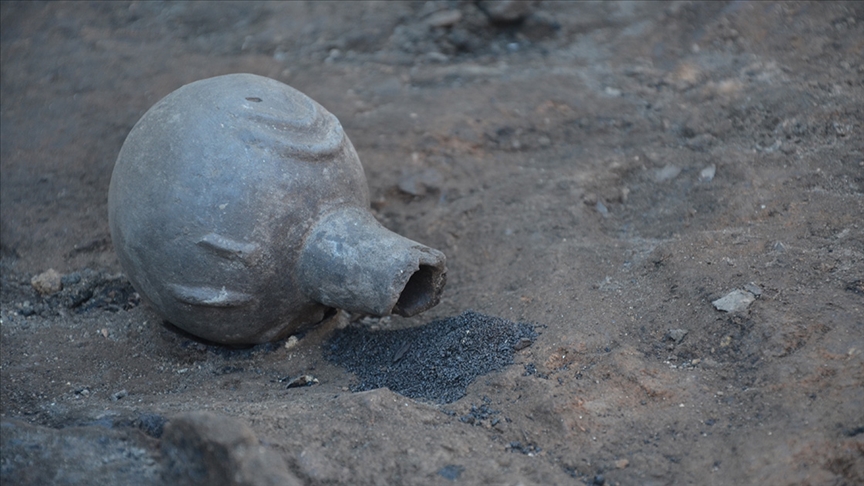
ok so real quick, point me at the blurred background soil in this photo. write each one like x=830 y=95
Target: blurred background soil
x=603 y=171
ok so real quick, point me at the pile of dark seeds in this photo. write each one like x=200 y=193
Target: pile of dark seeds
x=435 y=362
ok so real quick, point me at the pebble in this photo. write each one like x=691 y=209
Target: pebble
x=707 y=174
x=701 y=143
x=436 y=56
x=613 y=92
x=451 y=472
x=677 y=335
x=601 y=208
x=506 y=11
x=48 y=282
x=735 y=301
x=666 y=173
x=302 y=380
x=420 y=183
x=523 y=343
x=444 y=18
x=753 y=289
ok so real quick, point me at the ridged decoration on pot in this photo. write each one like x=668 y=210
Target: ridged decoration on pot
x=239 y=210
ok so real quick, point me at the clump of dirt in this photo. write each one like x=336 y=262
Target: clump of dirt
x=435 y=362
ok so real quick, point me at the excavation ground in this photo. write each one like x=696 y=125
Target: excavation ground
x=611 y=174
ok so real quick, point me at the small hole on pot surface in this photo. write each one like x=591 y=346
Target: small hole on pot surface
x=254 y=99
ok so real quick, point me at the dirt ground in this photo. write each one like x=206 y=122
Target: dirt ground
x=603 y=171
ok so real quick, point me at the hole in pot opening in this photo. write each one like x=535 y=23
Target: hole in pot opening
x=420 y=293
x=254 y=99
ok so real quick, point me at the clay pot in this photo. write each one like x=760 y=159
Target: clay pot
x=239 y=210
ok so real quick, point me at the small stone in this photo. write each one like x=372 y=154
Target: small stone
x=291 y=342
x=601 y=208
x=302 y=380
x=119 y=395
x=701 y=143
x=677 y=335
x=622 y=463
x=48 y=282
x=753 y=289
x=522 y=344
x=613 y=92
x=444 y=18
x=735 y=301
x=451 y=472
x=666 y=173
x=420 y=183
x=707 y=174
x=625 y=194
x=436 y=56
x=506 y=11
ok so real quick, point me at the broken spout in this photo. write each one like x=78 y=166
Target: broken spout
x=351 y=262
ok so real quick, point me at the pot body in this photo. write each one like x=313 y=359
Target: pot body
x=213 y=196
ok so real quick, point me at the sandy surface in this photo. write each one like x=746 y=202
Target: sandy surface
x=602 y=171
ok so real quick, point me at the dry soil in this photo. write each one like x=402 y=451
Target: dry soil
x=602 y=171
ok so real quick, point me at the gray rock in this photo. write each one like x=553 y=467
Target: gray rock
x=666 y=173
x=701 y=143
x=420 y=183
x=735 y=301
x=753 y=289
x=677 y=335
x=205 y=448
x=707 y=174
x=444 y=18
x=507 y=11
x=601 y=208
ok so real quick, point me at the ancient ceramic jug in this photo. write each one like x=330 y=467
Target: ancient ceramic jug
x=239 y=210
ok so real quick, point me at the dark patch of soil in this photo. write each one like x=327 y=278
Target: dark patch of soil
x=435 y=362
